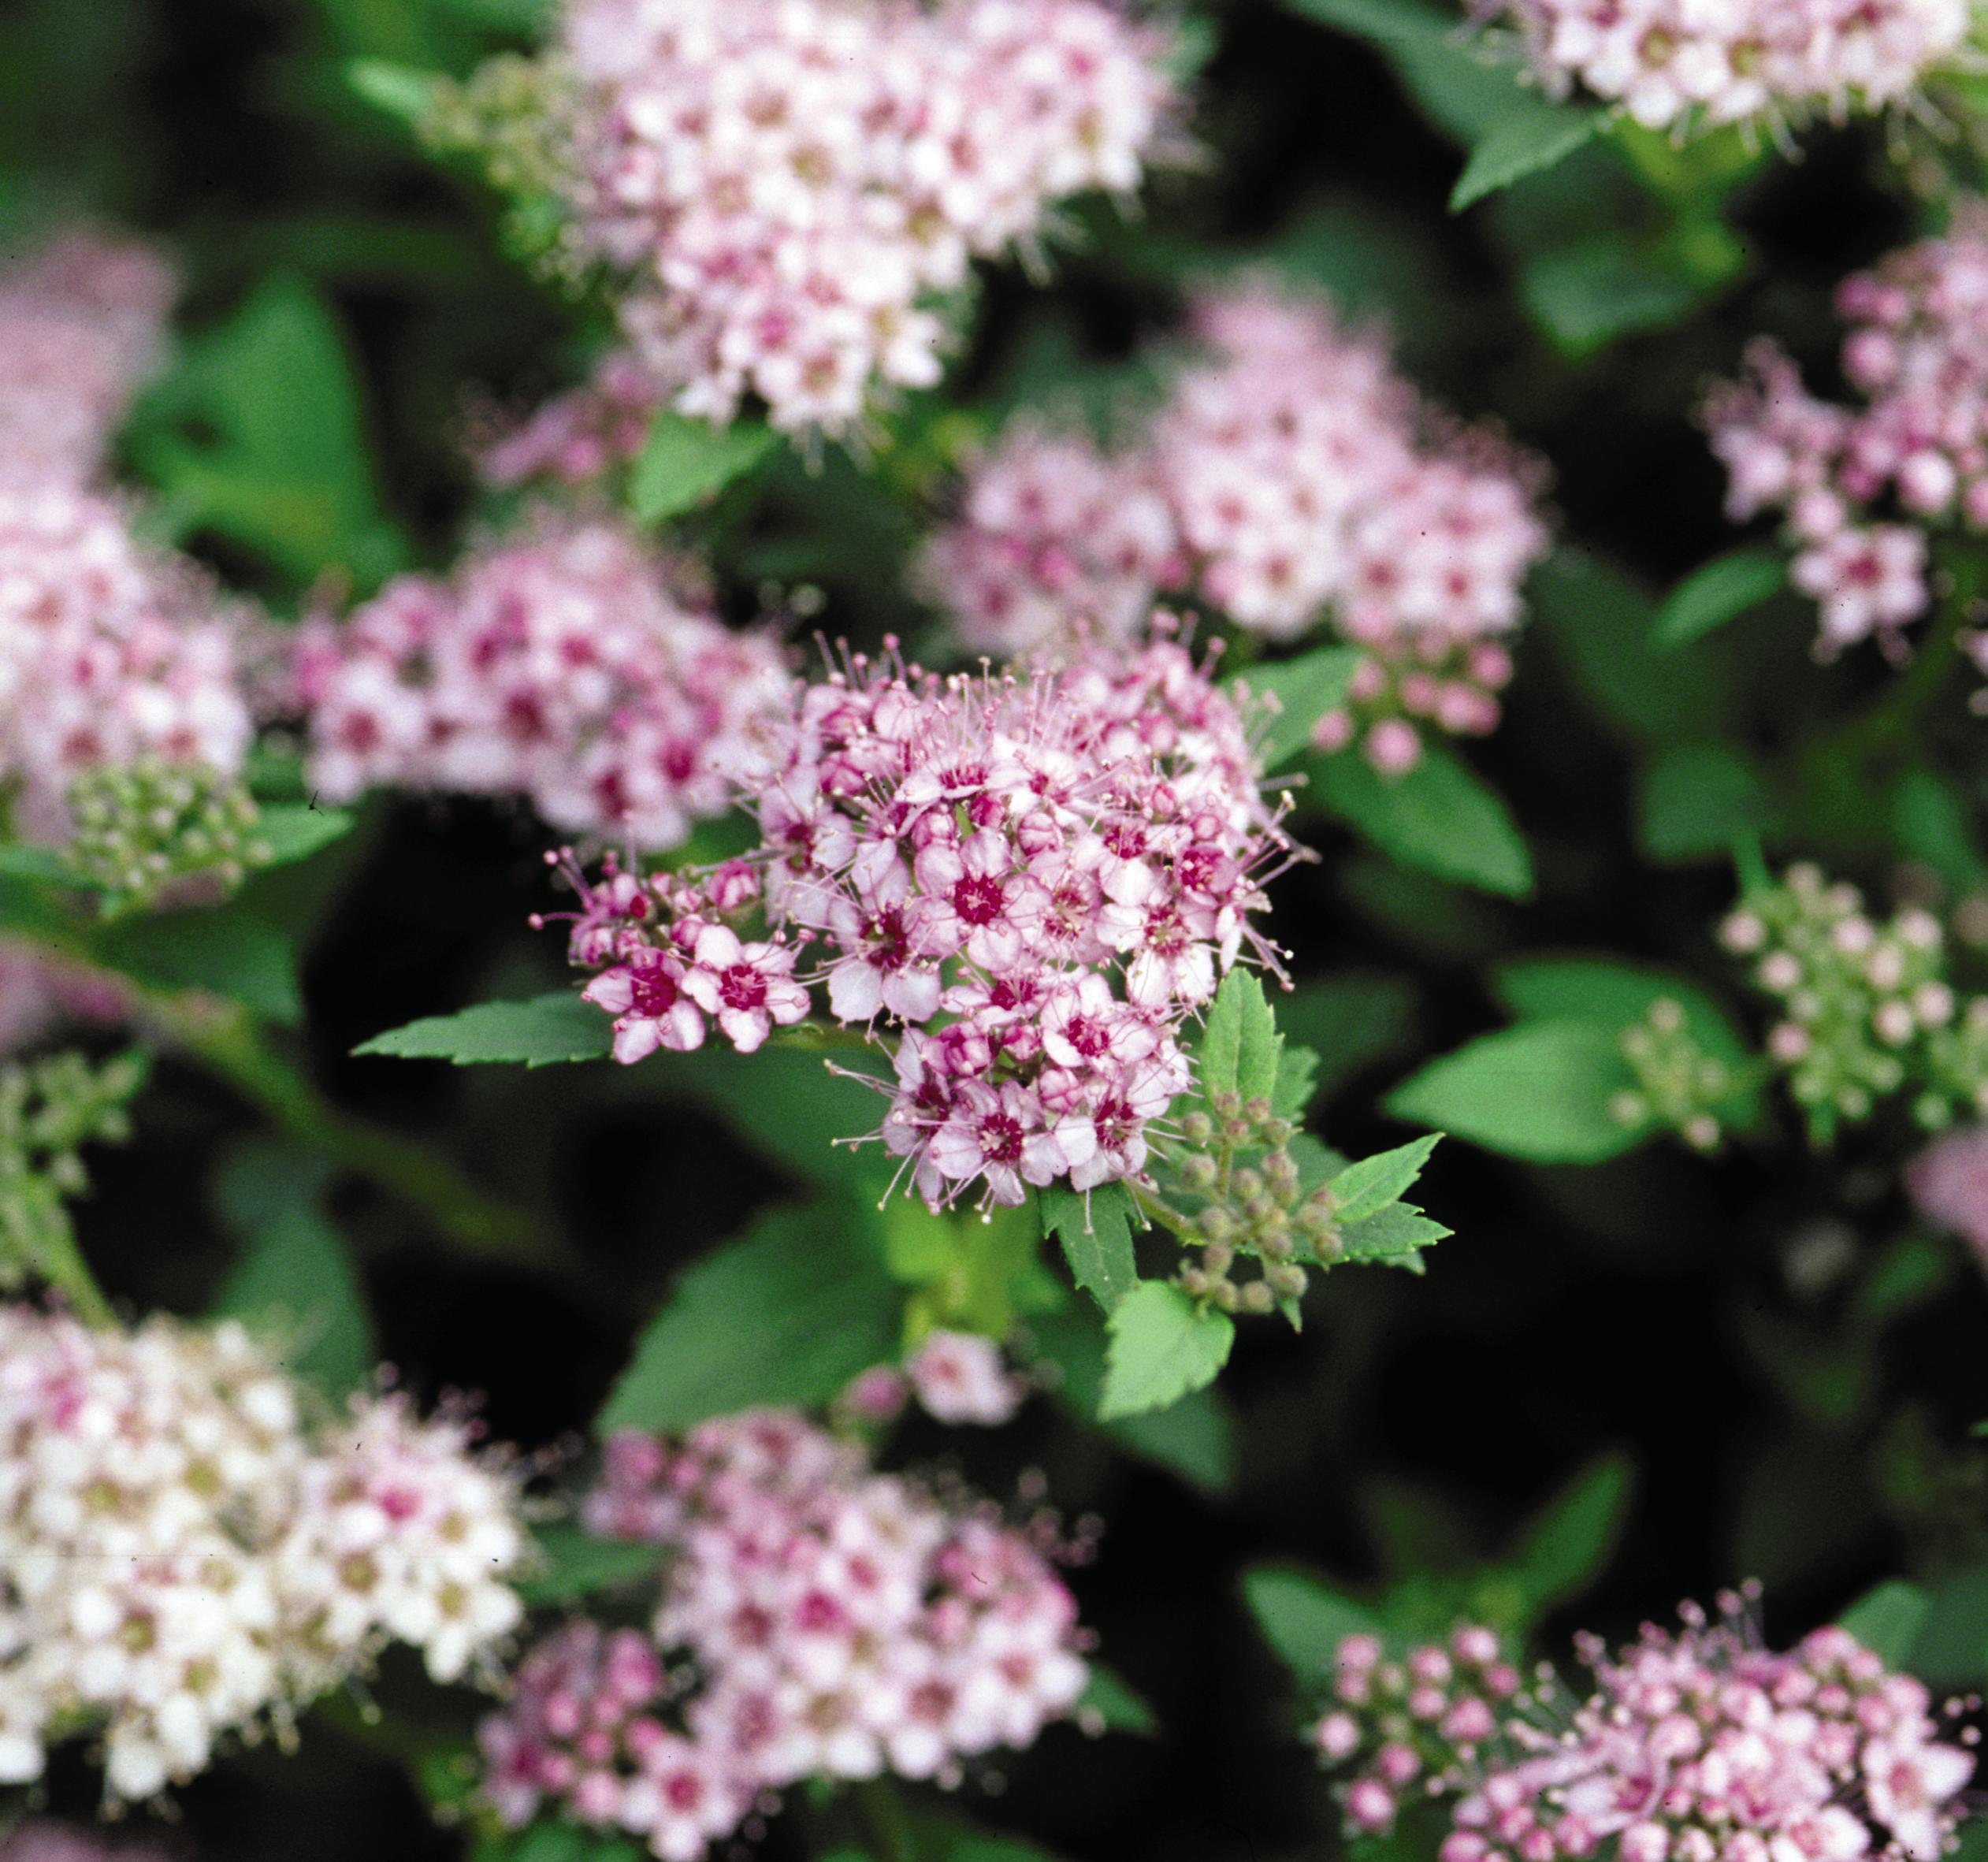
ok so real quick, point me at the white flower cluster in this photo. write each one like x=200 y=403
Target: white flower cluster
x=181 y=1558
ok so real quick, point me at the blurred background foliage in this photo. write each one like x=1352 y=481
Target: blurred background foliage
x=1752 y=1364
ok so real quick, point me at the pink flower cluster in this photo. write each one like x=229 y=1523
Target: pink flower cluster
x=577 y=436
x=956 y=1376
x=1948 y=1183
x=108 y=654
x=571 y=667
x=787 y=183
x=1696 y=1746
x=1291 y=473
x=1672 y=63
x=834 y=1623
x=1023 y=885
x=82 y=322
x=41 y=989
x=40 y=1841
x=182 y=1560
x=1858 y=488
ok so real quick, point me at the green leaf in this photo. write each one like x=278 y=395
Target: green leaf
x=1118 y=1709
x=1096 y=1232
x=1539 y=1091
x=1305 y=689
x=1586 y=295
x=1575 y=1534
x=1601 y=621
x=1367 y=1187
x=1531 y=135
x=259 y=437
x=1888 y=1620
x=44 y=867
x=1439 y=817
x=786 y=1315
x=1394 y=1237
x=1932 y=825
x=1303 y=1620
x=1696 y=799
x=542 y=1032
x=295 y=1278
x=1240 y=1043
x=228 y=949
x=575 y=1564
x=685 y=461
x=1614 y=996
x=1195 y=1439
x=399 y=90
x=1951 y=1649
x=1162 y=1346
x=293 y=831
x=1346 y=1021
x=1720 y=591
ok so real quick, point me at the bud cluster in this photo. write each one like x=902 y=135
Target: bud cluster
x=1236 y=1191
x=1415 y=1723
x=1678 y=1085
x=150 y=830
x=1868 y=1010
x=49 y=1109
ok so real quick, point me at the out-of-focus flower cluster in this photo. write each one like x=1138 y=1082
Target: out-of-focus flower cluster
x=82 y=324
x=1678 y=1085
x=1685 y=64
x=817 y=1620
x=1291 y=474
x=1948 y=1183
x=182 y=1558
x=38 y=1840
x=1024 y=886
x=1868 y=1010
x=783 y=186
x=1696 y=1746
x=110 y=653
x=570 y=665
x=40 y=990
x=1859 y=488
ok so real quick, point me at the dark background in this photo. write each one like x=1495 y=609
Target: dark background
x=1645 y=1306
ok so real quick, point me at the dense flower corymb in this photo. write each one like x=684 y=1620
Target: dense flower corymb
x=180 y=1560
x=1291 y=476
x=570 y=667
x=1699 y=1745
x=110 y=655
x=1859 y=488
x=1022 y=886
x=818 y=1620
x=784 y=184
x=1673 y=63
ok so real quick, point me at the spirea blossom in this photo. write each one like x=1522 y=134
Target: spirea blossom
x=1696 y=1746
x=1860 y=489
x=39 y=1840
x=570 y=665
x=109 y=655
x=1687 y=64
x=785 y=185
x=82 y=322
x=959 y=1376
x=575 y=436
x=40 y=990
x=1290 y=475
x=1948 y=1183
x=817 y=1620
x=182 y=1559
x=1020 y=886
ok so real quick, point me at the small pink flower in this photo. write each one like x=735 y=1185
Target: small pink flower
x=649 y=998
x=748 y=989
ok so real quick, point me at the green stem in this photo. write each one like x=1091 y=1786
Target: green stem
x=1891 y=721
x=883 y=1811
x=225 y=1040
x=60 y=1262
